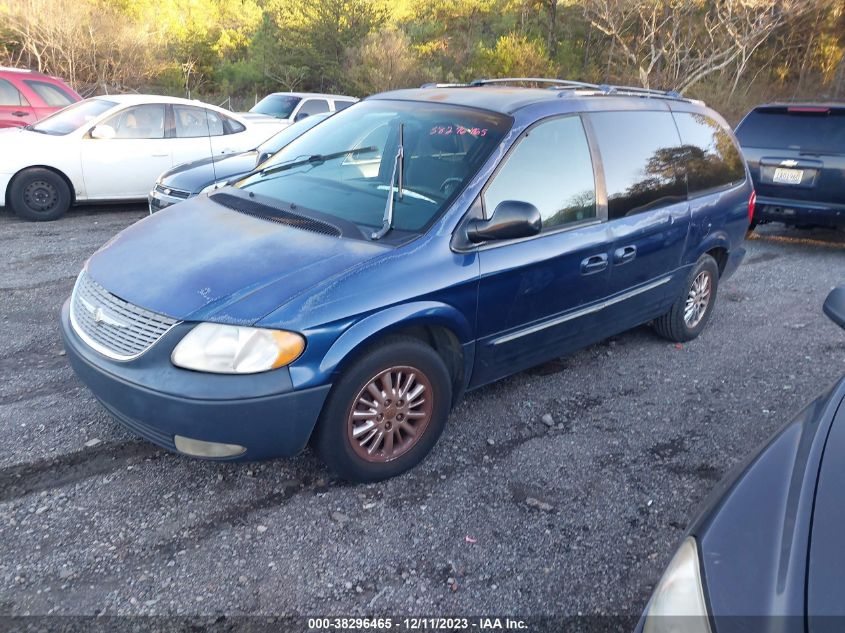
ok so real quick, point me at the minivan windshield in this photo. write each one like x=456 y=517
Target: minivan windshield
x=279 y=106
x=72 y=117
x=290 y=133
x=345 y=165
x=805 y=129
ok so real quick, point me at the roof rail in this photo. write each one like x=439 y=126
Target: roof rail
x=565 y=84
x=15 y=70
x=440 y=85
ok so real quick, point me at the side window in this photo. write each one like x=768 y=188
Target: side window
x=144 y=121
x=708 y=152
x=11 y=96
x=639 y=152
x=313 y=106
x=50 y=94
x=341 y=105
x=552 y=169
x=232 y=126
x=192 y=122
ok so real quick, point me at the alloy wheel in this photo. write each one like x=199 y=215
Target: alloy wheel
x=390 y=414
x=698 y=299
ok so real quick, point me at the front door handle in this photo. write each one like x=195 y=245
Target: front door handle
x=624 y=255
x=161 y=155
x=20 y=113
x=594 y=264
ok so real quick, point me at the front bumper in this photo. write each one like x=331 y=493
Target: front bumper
x=157 y=400
x=4 y=186
x=798 y=212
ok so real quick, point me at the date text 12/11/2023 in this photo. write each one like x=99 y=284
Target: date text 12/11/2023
x=338 y=624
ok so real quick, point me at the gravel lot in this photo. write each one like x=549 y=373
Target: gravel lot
x=508 y=515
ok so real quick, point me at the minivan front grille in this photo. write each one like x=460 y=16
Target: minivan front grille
x=114 y=327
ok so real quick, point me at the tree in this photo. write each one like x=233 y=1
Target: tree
x=384 y=61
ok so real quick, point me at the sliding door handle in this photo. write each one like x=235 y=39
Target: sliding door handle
x=594 y=264
x=624 y=255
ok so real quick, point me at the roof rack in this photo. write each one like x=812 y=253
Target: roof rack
x=15 y=70
x=603 y=89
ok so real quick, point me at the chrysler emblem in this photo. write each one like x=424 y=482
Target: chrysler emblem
x=101 y=316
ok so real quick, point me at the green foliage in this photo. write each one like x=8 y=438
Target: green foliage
x=247 y=48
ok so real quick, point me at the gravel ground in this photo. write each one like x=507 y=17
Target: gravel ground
x=509 y=515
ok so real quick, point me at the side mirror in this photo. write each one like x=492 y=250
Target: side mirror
x=103 y=132
x=511 y=220
x=834 y=306
x=300 y=116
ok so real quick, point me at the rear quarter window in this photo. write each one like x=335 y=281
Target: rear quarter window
x=639 y=152
x=50 y=94
x=708 y=154
x=821 y=131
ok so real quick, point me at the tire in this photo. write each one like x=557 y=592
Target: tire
x=39 y=195
x=751 y=227
x=351 y=445
x=678 y=325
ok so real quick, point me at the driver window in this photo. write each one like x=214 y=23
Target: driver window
x=143 y=121
x=552 y=169
x=192 y=122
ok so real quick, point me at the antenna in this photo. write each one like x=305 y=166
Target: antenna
x=210 y=144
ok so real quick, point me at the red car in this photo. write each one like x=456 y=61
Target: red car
x=27 y=97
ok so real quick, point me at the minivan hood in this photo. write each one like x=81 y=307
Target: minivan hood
x=202 y=261
x=197 y=175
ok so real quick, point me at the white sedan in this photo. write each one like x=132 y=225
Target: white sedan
x=113 y=148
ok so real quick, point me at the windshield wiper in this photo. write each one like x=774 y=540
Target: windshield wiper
x=398 y=166
x=314 y=159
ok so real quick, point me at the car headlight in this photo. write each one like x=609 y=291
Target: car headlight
x=234 y=349
x=678 y=603
x=216 y=185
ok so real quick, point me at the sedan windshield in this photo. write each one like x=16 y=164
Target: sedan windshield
x=279 y=106
x=345 y=166
x=72 y=117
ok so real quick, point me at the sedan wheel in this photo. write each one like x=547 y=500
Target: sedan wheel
x=39 y=194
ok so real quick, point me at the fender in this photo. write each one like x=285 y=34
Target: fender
x=384 y=322
x=716 y=239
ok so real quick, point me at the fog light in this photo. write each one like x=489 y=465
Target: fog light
x=198 y=448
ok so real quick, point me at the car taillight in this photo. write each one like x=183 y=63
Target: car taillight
x=752 y=202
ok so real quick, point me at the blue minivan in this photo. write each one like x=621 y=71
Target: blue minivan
x=414 y=246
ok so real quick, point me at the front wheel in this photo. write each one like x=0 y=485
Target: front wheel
x=692 y=309
x=39 y=195
x=386 y=411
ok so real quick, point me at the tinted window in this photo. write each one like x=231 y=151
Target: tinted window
x=192 y=122
x=279 y=106
x=232 y=126
x=783 y=128
x=313 y=106
x=342 y=105
x=639 y=152
x=50 y=94
x=144 y=121
x=708 y=153
x=551 y=168
x=11 y=96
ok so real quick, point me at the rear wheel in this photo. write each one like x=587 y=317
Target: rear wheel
x=692 y=309
x=386 y=412
x=39 y=195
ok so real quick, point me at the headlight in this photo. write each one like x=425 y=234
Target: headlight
x=232 y=349
x=216 y=185
x=677 y=603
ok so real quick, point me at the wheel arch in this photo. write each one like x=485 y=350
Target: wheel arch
x=718 y=246
x=438 y=325
x=61 y=174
